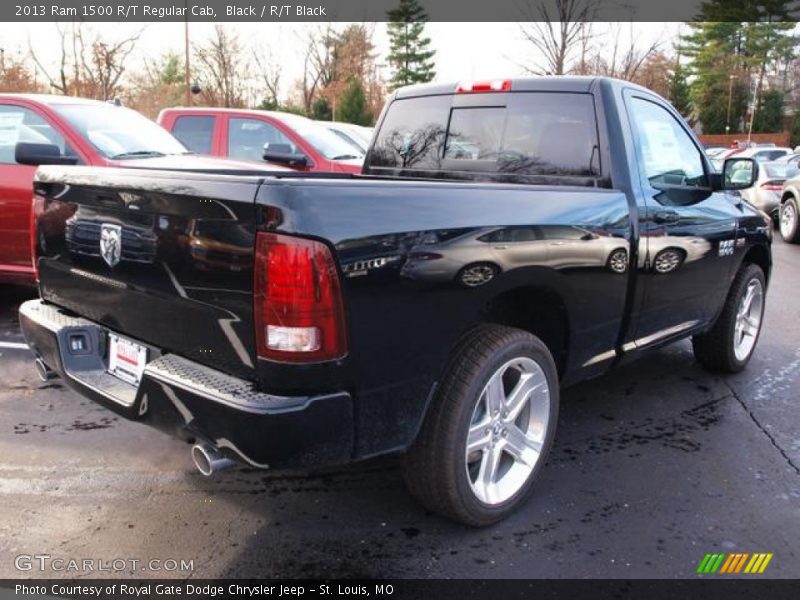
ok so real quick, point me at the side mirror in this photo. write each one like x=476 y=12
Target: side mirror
x=29 y=153
x=739 y=173
x=282 y=153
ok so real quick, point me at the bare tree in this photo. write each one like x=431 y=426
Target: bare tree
x=556 y=29
x=88 y=64
x=104 y=64
x=318 y=64
x=16 y=74
x=270 y=71
x=222 y=68
x=626 y=57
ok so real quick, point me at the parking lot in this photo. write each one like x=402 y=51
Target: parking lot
x=655 y=465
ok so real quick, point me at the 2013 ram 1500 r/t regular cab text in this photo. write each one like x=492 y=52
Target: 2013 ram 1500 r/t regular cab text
x=504 y=239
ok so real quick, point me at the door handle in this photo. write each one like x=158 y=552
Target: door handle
x=666 y=216
x=501 y=247
x=557 y=243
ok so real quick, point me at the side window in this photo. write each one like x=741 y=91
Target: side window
x=18 y=124
x=669 y=157
x=195 y=132
x=563 y=232
x=521 y=233
x=247 y=138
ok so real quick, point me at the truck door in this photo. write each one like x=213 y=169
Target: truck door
x=687 y=231
x=20 y=124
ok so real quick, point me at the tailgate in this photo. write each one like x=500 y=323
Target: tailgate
x=162 y=257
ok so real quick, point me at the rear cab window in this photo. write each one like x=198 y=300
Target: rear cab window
x=529 y=137
x=196 y=132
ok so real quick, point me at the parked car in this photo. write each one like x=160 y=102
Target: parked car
x=257 y=135
x=478 y=256
x=67 y=130
x=789 y=212
x=762 y=153
x=312 y=360
x=765 y=193
x=356 y=135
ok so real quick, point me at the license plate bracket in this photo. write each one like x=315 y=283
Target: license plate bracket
x=126 y=359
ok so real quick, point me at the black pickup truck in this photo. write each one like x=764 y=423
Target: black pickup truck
x=505 y=239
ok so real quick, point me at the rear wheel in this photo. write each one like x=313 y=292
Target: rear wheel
x=790 y=221
x=728 y=346
x=487 y=435
x=618 y=261
x=477 y=274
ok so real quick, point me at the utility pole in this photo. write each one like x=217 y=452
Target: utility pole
x=730 y=97
x=187 y=74
x=753 y=113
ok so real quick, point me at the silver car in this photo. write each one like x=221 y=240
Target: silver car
x=476 y=257
x=357 y=136
x=765 y=194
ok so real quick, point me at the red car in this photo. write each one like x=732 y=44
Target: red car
x=256 y=135
x=66 y=130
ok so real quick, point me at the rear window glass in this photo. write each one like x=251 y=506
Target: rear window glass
x=552 y=134
x=776 y=171
x=195 y=132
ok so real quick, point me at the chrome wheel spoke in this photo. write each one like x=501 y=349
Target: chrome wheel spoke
x=479 y=437
x=495 y=395
x=521 y=447
x=487 y=475
x=519 y=396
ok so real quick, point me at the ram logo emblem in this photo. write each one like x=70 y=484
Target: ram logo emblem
x=110 y=243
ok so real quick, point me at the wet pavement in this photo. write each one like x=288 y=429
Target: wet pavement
x=655 y=465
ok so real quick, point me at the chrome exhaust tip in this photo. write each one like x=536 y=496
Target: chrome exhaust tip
x=43 y=371
x=208 y=459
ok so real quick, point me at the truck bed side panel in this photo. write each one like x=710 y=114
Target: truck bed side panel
x=403 y=249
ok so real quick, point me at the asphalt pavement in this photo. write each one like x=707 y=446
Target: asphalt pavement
x=655 y=465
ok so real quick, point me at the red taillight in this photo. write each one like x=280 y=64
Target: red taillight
x=497 y=85
x=772 y=186
x=37 y=208
x=299 y=315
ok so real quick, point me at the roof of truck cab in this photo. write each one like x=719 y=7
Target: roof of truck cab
x=545 y=83
x=275 y=114
x=50 y=99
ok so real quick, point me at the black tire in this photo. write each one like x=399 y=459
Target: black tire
x=434 y=467
x=790 y=231
x=489 y=270
x=715 y=348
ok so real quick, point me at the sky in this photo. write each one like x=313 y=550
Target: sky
x=464 y=51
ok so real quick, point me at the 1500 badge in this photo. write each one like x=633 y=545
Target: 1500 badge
x=726 y=248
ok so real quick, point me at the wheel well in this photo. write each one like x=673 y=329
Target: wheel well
x=540 y=311
x=786 y=196
x=758 y=255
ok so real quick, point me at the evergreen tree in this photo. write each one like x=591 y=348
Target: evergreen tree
x=794 y=137
x=679 y=90
x=321 y=110
x=409 y=50
x=353 y=105
x=742 y=40
x=769 y=116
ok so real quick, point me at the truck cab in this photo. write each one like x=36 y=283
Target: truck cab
x=291 y=140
